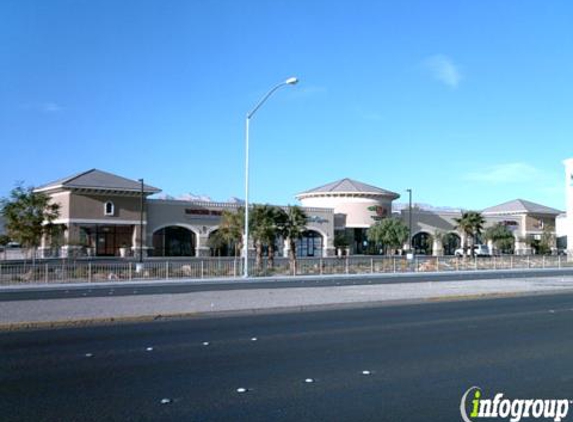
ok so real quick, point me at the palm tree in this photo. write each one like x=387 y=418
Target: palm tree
x=471 y=224
x=292 y=225
x=264 y=231
x=231 y=228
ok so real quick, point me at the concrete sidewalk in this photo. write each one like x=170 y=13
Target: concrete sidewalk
x=77 y=311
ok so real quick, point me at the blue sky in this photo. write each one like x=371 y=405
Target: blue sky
x=468 y=103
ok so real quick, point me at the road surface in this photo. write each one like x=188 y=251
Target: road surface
x=419 y=359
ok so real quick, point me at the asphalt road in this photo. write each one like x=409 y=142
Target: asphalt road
x=421 y=358
x=163 y=287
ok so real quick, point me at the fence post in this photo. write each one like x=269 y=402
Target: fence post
x=543 y=262
x=89 y=272
x=295 y=265
x=511 y=262
x=235 y=267
x=202 y=268
x=437 y=264
x=394 y=263
x=528 y=261
x=475 y=263
x=371 y=265
x=166 y=270
x=558 y=256
x=46 y=273
x=320 y=263
x=130 y=271
x=346 y=270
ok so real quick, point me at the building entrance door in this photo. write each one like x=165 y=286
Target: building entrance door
x=105 y=242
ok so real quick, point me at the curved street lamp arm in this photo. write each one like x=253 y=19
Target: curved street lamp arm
x=262 y=101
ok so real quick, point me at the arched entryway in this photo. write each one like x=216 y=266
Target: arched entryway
x=310 y=244
x=174 y=241
x=451 y=242
x=422 y=243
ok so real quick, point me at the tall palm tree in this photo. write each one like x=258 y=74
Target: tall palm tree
x=292 y=225
x=264 y=231
x=471 y=224
x=232 y=227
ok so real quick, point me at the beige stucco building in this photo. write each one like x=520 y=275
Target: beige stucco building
x=526 y=220
x=104 y=215
x=109 y=215
x=356 y=206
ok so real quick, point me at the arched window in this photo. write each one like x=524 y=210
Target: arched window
x=174 y=241
x=109 y=208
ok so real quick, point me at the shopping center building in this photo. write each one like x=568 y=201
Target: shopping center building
x=108 y=215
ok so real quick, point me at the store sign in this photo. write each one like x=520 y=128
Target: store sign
x=381 y=212
x=203 y=212
x=316 y=219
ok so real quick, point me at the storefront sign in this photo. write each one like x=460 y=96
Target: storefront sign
x=381 y=212
x=203 y=212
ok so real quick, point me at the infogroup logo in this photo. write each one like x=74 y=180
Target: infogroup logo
x=513 y=409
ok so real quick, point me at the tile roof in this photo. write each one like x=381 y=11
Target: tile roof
x=521 y=206
x=350 y=186
x=98 y=179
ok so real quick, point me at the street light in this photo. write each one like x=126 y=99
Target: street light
x=409 y=219
x=141 y=222
x=289 y=81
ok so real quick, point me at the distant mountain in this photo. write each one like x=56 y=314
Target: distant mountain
x=193 y=197
x=163 y=196
x=397 y=206
x=196 y=198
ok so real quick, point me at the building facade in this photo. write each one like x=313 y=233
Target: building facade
x=357 y=206
x=106 y=215
x=109 y=215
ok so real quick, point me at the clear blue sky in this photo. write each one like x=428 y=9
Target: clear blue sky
x=469 y=103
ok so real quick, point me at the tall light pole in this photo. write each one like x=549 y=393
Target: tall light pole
x=409 y=219
x=141 y=222
x=289 y=81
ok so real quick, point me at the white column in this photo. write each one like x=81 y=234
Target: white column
x=286 y=248
x=490 y=246
x=437 y=247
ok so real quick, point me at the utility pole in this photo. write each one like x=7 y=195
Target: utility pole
x=409 y=219
x=141 y=204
